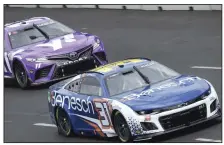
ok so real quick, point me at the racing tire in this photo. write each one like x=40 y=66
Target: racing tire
x=63 y=123
x=121 y=127
x=21 y=76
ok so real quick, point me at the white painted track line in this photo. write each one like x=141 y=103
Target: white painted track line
x=206 y=67
x=207 y=140
x=44 y=124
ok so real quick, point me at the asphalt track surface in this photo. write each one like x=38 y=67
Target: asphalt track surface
x=178 y=39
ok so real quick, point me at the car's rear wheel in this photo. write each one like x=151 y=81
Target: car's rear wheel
x=63 y=123
x=21 y=75
x=122 y=128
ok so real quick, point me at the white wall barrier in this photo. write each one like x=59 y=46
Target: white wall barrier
x=132 y=7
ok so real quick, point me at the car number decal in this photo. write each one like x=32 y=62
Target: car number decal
x=37 y=65
x=101 y=108
x=57 y=44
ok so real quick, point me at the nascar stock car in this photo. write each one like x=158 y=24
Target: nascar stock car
x=134 y=99
x=40 y=50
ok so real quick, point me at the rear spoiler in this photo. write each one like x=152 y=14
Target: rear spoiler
x=14 y=22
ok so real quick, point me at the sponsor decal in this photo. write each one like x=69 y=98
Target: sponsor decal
x=74 y=103
x=75 y=61
x=182 y=105
x=181 y=82
x=73 y=55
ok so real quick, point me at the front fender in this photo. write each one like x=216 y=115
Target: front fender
x=131 y=117
x=19 y=59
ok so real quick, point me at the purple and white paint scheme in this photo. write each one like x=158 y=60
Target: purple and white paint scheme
x=39 y=50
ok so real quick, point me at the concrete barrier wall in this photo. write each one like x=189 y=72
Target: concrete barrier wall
x=133 y=7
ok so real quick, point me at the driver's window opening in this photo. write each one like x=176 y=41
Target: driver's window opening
x=73 y=86
x=91 y=86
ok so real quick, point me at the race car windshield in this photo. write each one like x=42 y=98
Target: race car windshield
x=157 y=72
x=32 y=35
x=22 y=37
x=124 y=82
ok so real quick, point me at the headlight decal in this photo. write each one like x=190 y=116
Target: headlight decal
x=206 y=93
x=97 y=43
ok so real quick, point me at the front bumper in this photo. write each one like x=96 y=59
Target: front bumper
x=62 y=69
x=58 y=67
x=150 y=136
x=193 y=114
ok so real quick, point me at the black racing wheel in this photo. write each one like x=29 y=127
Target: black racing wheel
x=63 y=123
x=121 y=127
x=21 y=75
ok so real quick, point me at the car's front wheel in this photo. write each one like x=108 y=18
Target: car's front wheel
x=63 y=122
x=21 y=75
x=121 y=127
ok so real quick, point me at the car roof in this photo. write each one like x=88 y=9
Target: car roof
x=19 y=25
x=118 y=65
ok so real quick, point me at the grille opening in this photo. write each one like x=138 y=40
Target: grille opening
x=213 y=106
x=183 y=118
x=87 y=53
x=74 y=68
x=178 y=106
x=43 y=72
x=148 y=126
x=84 y=52
x=101 y=56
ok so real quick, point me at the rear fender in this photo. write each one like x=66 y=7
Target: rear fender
x=66 y=110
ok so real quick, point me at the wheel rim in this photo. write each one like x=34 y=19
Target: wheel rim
x=122 y=128
x=21 y=75
x=63 y=122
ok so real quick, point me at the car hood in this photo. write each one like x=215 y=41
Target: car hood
x=164 y=94
x=56 y=46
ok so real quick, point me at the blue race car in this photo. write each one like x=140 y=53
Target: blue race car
x=134 y=99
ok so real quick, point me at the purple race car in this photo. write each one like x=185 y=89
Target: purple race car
x=39 y=50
